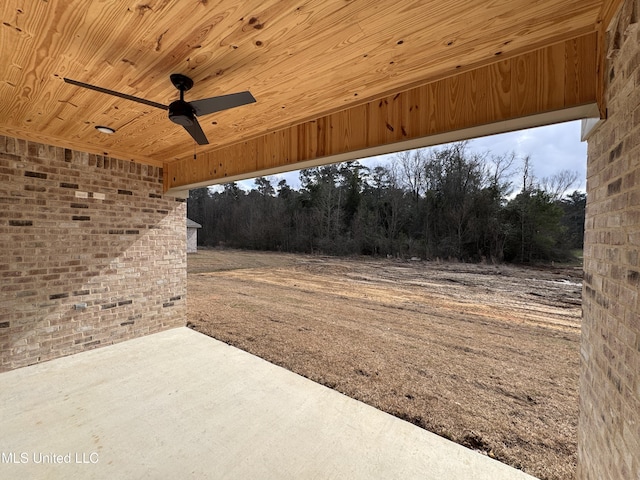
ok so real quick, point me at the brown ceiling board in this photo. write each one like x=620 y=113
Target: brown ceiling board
x=543 y=81
x=301 y=59
x=551 y=86
x=578 y=88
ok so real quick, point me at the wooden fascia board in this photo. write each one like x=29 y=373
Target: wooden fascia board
x=552 y=79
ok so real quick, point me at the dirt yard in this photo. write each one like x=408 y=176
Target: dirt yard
x=484 y=355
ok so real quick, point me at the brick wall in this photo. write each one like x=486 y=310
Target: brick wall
x=79 y=229
x=609 y=428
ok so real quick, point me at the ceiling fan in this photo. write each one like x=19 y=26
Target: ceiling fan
x=181 y=112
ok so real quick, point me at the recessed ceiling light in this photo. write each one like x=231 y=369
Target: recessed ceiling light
x=104 y=129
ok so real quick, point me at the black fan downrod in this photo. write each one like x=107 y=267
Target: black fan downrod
x=181 y=112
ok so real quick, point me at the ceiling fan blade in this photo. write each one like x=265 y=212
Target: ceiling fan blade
x=117 y=94
x=196 y=132
x=223 y=102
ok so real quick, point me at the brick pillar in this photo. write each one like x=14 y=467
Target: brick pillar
x=609 y=426
x=91 y=252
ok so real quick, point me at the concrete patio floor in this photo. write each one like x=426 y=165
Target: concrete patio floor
x=179 y=404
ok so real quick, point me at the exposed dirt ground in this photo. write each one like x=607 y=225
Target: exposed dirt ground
x=485 y=355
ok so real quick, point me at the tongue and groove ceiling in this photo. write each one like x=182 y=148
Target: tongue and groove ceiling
x=313 y=66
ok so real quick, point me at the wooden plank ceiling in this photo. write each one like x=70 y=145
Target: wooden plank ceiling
x=303 y=60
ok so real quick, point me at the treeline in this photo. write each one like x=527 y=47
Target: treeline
x=432 y=203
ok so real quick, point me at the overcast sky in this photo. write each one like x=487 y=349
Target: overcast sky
x=551 y=149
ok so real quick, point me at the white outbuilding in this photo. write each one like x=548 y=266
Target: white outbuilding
x=192 y=236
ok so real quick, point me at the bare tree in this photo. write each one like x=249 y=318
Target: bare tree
x=557 y=185
x=410 y=167
x=529 y=180
x=500 y=170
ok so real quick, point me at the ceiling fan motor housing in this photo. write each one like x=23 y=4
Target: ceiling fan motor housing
x=181 y=112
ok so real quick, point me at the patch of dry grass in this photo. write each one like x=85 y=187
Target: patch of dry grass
x=486 y=356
